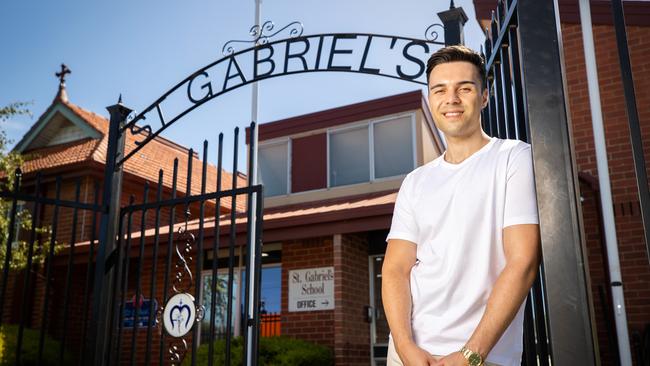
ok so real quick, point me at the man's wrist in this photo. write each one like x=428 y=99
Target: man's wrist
x=472 y=357
x=474 y=346
x=403 y=343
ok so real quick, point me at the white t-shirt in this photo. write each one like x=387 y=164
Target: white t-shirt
x=455 y=213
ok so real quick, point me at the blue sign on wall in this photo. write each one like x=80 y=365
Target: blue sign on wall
x=143 y=313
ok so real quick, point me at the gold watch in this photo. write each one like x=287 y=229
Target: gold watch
x=473 y=358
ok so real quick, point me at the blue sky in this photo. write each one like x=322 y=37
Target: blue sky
x=142 y=48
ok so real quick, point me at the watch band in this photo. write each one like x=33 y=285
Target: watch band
x=473 y=358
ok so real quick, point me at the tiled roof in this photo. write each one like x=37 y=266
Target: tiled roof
x=331 y=206
x=59 y=155
x=158 y=154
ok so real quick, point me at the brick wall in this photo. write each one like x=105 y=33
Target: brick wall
x=633 y=257
x=313 y=326
x=351 y=293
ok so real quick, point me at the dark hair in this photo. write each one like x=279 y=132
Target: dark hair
x=457 y=53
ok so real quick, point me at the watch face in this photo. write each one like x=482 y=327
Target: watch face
x=474 y=359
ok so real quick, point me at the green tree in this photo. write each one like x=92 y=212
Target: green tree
x=9 y=162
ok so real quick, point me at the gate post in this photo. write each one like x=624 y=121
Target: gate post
x=453 y=20
x=105 y=261
x=564 y=269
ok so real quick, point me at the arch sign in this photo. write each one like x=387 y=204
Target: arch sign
x=401 y=58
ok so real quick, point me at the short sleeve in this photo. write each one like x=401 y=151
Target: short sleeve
x=521 y=199
x=403 y=225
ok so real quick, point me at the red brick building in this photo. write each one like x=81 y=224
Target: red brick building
x=629 y=229
x=70 y=142
x=331 y=179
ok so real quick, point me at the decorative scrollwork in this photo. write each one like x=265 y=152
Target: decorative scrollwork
x=432 y=34
x=182 y=266
x=177 y=349
x=261 y=36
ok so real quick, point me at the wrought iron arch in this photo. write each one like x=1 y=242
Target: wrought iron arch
x=399 y=43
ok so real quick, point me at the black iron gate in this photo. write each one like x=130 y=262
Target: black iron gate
x=527 y=101
x=47 y=270
x=161 y=252
x=175 y=246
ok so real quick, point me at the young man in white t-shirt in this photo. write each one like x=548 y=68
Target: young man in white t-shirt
x=463 y=249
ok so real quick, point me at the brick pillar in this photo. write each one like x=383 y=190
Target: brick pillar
x=312 y=326
x=351 y=294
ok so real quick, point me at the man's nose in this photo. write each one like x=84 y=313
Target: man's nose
x=452 y=97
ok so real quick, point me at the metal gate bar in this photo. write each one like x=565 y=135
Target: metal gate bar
x=48 y=272
x=154 y=270
x=231 y=252
x=215 y=255
x=168 y=261
x=122 y=279
x=66 y=292
x=89 y=279
x=138 y=278
x=30 y=252
x=633 y=120
x=199 y=254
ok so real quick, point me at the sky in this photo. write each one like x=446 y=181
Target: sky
x=140 y=49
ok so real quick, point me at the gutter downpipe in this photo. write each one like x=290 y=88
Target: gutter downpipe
x=605 y=191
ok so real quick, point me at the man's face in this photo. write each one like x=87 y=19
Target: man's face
x=455 y=98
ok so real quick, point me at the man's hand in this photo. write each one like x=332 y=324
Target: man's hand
x=452 y=359
x=412 y=355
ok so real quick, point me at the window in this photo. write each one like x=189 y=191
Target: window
x=221 y=299
x=270 y=291
x=393 y=147
x=376 y=150
x=349 y=153
x=274 y=168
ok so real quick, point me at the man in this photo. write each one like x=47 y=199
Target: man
x=463 y=249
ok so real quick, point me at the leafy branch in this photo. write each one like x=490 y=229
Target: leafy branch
x=9 y=162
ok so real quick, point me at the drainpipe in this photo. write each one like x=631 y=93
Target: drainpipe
x=605 y=187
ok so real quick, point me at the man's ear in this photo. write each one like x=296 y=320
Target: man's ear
x=484 y=101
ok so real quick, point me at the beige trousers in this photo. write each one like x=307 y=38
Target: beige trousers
x=392 y=359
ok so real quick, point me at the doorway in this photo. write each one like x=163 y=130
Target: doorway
x=378 y=324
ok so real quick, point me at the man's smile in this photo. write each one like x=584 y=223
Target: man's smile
x=452 y=114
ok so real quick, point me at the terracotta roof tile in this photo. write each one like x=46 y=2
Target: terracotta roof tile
x=59 y=155
x=158 y=154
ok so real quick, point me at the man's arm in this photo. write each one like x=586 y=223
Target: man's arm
x=396 y=294
x=522 y=251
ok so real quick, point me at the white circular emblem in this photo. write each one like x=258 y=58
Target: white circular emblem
x=179 y=315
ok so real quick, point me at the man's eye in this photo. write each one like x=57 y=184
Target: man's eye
x=465 y=90
x=439 y=91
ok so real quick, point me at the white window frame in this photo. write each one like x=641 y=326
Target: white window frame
x=371 y=146
x=281 y=141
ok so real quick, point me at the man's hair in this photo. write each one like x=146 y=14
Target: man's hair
x=457 y=53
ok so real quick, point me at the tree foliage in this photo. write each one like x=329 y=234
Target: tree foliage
x=10 y=161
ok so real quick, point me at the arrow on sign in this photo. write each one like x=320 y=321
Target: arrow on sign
x=325 y=302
